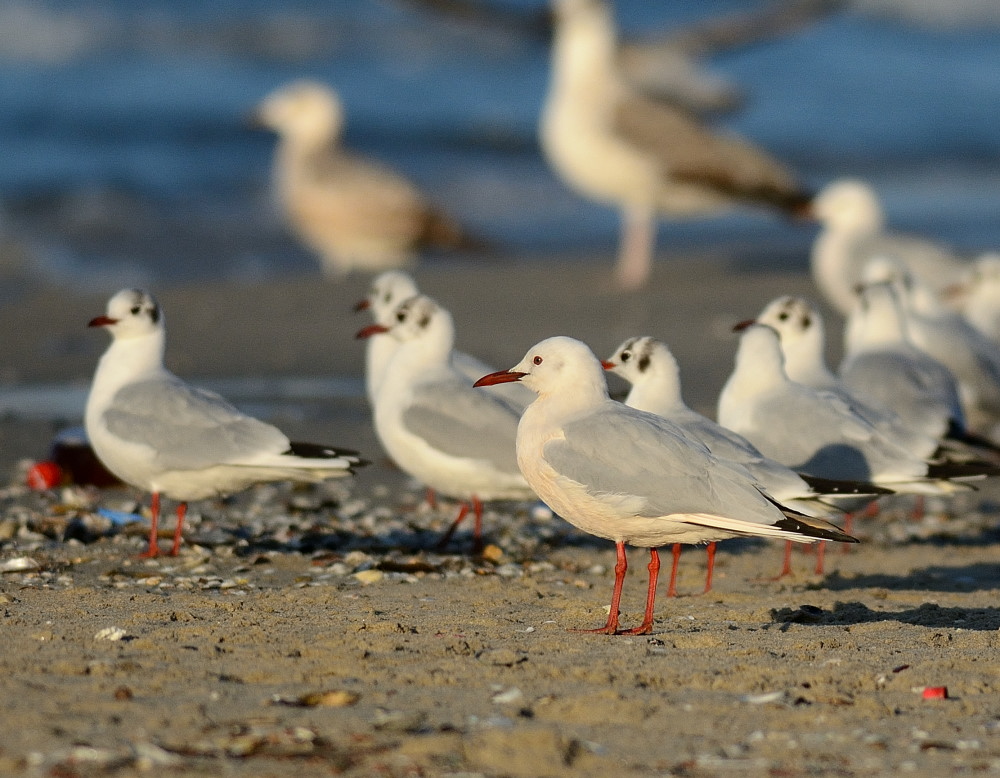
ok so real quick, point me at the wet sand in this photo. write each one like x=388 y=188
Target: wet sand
x=317 y=631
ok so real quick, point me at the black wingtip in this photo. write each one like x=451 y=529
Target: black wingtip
x=954 y=470
x=829 y=486
x=794 y=524
x=319 y=451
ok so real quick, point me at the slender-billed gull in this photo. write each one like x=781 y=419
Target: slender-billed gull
x=631 y=476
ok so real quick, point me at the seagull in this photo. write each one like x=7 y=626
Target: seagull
x=816 y=432
x=159 y=434
x=354 y=212
x=612 y=145
x=631 y=476
x=390 y=288
x=885 y=369
x=457 y=441
x=649 y=366
x=853 y=231
x=948 y=337
x=802 y=335
x=978 y=295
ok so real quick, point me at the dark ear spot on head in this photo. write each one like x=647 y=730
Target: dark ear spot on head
x=643 y=363
x=154 y=314
x=424 y=321
x=806 y=321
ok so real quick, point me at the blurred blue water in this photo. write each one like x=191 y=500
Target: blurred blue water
x=126 y=155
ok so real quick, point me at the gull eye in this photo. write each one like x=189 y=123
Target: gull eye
x=537 y=360
x=783 y=316
x=400 y=316
x=626 y=356
x=136 y=309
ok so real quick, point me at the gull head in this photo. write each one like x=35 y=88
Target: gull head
x=796 y=320
x=304 y=112
x=131 y=313
x=849 y=205
x=387 y=291
x=558 y=365
x=759 y=351
x=638 y=358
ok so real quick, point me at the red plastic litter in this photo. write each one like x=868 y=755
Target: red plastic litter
x=44 y=475
x=935 y=692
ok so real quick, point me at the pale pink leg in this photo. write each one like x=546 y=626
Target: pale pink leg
x=638 y=241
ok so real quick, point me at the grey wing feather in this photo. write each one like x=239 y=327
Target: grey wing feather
x=633 y=453
x=188 y=427
x=464 y=422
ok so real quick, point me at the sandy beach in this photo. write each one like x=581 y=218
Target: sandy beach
x=316 y=631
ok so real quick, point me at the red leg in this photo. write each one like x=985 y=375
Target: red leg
x=919 y=509
x=462 y=513
x=672 y=586
x=820 y=556
x=181 y=513
x=621 y=567
x=711 y=567
x=647 y=619
x=786 y=563
x=431 y=497
x=153 y=549
x=845 y=548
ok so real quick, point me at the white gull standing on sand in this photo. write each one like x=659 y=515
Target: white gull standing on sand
x=816 y=432
x=354 y=212
x=973 y=359
x=854 y=231
x=159 y=434
x=631 y=476
x=387 y=291
x=884 y=368
x=649 y=366
x=615 y=146
x=802 y=335
x=435 y=426
x=977 y=295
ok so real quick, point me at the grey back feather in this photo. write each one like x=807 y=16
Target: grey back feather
x=189 y=428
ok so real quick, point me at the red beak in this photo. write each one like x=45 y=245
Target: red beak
x=740 y=326
x=500 y=377
x=101 y=321
x=608 y=365
x=371 y=329
x=362 y=305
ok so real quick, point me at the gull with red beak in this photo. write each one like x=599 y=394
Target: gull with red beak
x=387 y=291
x=161 y=435
x=649 y=366
x=456 y=441
x=633 y=477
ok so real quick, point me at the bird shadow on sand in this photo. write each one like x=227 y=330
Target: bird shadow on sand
x=979 y=576
x=928 y=614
